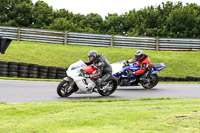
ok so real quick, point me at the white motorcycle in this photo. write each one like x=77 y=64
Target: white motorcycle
x=75 y=82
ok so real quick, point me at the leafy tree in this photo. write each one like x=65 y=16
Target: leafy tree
x=43 y=15
x=183 y=21
x=94 y=23
x=63 y=24
x=114 y=24
x=63 y=13
x=166 y=20
x=16 y=12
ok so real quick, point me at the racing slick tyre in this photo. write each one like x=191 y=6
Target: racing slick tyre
x=109 y=88
x=152 y=81
x=64 y=89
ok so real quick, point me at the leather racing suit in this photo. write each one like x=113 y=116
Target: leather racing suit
x=144 y=64
x=104 y=69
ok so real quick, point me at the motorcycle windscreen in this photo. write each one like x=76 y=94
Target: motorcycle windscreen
x=74 y=69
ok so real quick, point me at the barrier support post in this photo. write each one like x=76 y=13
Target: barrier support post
x=65 y=37
x=18 y=34
x=112 y=40
x=157 y=43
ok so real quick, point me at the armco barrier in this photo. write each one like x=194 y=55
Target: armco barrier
x=25 y=70
x=64 y=37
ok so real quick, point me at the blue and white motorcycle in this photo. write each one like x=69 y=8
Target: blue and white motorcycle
x=149 y=80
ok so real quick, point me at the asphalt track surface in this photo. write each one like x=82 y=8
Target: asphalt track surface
x=17 y=91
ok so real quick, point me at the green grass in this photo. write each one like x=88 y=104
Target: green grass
x=179 y=64
x=155 y=115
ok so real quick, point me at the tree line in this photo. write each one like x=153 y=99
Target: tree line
x=166 y=20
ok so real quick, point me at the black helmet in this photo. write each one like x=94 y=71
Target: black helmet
x=93 y=54
x=139 y=55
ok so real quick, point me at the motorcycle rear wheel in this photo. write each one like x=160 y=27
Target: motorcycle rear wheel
x=153 y=81
x=64 y=89
x=113 y=86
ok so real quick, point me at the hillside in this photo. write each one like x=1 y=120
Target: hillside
x=179 y=64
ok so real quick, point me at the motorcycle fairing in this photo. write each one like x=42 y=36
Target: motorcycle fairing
x=133 y=67
x=84 y=84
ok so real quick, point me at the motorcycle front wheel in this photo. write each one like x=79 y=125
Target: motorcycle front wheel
x=152 y=81
x=109 y=88
x=64 y=89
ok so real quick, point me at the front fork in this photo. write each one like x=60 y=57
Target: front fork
x=71 y=83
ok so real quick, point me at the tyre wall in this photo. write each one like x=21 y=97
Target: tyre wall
x=179 y=79
x=25 y=70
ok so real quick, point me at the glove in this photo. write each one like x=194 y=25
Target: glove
x=87 y=76
x=82 y=72
x=126 y=63
x=93 y=66
x=129 y=73
x=99 y=81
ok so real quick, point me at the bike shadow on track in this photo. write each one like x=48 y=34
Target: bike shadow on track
x=138 y=89
x=78 y=97
x=118 y=94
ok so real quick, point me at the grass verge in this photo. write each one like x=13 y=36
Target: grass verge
x=179 y=64
x=102 y=115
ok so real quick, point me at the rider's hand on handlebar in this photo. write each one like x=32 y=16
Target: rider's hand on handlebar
x=93 y=66
x=86 y=75
x=129 y=73
x=126 y=63
x=82 y=72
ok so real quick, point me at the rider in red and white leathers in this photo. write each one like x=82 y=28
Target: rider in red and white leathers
x=143 y=61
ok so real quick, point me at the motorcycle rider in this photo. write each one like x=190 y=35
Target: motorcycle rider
x=144 y=63
x=104 y=69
